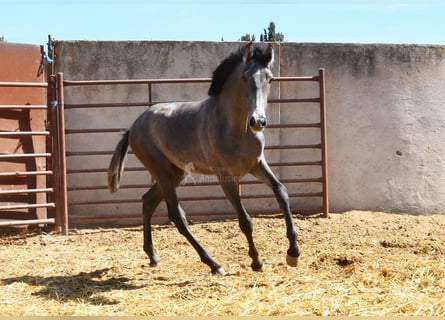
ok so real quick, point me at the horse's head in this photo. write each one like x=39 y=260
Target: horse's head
x=242 y=83
x=257 y=77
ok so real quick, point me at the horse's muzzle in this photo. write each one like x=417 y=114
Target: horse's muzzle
x=257 y=123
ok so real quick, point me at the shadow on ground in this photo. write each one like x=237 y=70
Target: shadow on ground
x=84 y=286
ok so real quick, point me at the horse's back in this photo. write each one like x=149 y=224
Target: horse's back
x=172 y=131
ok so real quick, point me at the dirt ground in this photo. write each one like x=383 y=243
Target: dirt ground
x=355 y=263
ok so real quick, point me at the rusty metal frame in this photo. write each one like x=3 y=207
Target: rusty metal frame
x=56 y=153
x=324 y=141
x=323 y=162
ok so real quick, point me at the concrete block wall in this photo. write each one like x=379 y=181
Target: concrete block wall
x=386 y=123
x=385 y=118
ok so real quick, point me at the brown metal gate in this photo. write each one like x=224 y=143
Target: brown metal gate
x=89 y=201
x=37 y=186
x=31 y=151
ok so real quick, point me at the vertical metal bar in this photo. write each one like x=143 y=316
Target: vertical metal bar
x=152 y=181
x=50 y=126
x=55 y=183
x=150 y=93
x=324 y=153
x=62 y=210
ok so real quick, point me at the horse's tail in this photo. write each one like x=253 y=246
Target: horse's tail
x=116 y=168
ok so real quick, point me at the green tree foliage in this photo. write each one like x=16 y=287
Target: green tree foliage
x=2 y=39
x=269 y=35
x=248 y=37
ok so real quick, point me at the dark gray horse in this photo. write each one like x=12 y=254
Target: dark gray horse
x=221 y=135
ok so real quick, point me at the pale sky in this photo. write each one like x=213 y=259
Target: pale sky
x=348 y=21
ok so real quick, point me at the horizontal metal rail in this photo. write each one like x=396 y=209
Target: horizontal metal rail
x=271 y=126
x=149 y=104
x=198 y=198
x=28 y=206
x=295 y=100
x=69 y=106
x=98 y=131
x=279 y=147
x=68 y=83
x=195 y=215
x=23 y=155
x=132 y=169
x=10 y=223
x=26 y=106
x=24 y=84
x=24 y=191
x=23 y=133
x=194 y=184
x=25 y=173
x=293 y=79
x=296 y=164
x=293 y=146
x=99 y=170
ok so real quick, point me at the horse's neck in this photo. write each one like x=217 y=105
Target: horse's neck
x=235 y=118
x=233 y=105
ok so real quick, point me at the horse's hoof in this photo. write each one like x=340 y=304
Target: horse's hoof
x=292 y=261
x=154 y=261
x=257 y=267
x=220 y=271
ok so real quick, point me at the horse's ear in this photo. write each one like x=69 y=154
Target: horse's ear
x=246 y=51
x=269 y=55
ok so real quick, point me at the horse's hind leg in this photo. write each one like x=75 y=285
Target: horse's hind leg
x=180 y=221
x=151 y=200
x=177 y=216
x=245 y=222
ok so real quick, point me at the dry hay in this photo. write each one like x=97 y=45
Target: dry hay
x=356 y=263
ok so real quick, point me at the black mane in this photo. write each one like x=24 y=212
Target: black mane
x=223 y=71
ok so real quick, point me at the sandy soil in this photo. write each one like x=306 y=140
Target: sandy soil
x=355 y=263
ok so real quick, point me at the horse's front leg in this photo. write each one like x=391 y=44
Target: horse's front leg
x=265 y=174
